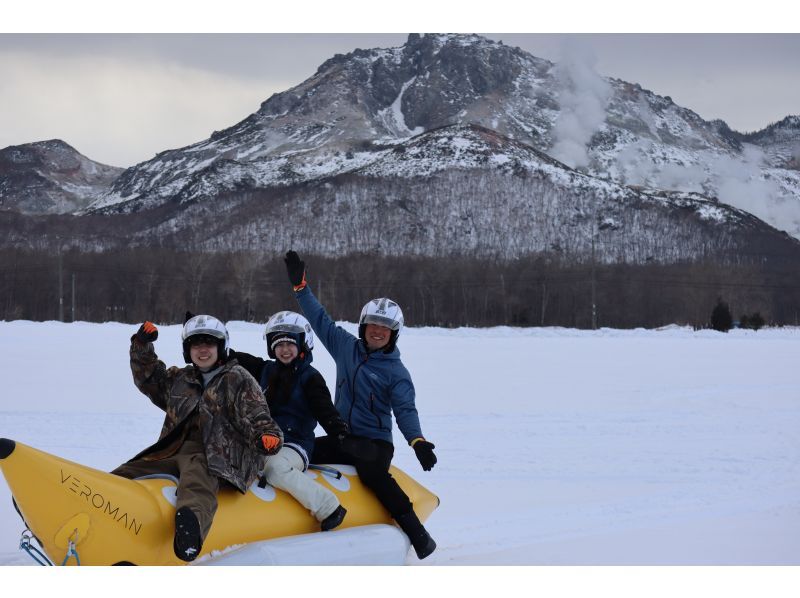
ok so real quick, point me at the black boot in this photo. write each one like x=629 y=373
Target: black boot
x=188 y=542
x=420 y=538
x=334 y=519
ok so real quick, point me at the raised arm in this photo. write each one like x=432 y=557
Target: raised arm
x=150 y=375
x=332 y=336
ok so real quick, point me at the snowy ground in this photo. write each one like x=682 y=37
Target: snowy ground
x=555 y=446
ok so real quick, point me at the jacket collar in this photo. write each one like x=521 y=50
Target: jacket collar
x=299 y=363
x=379 y=354
x=195 y=376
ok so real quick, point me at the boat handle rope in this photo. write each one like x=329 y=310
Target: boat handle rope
x=33 y=552
x=329 y=470
x=71 y=550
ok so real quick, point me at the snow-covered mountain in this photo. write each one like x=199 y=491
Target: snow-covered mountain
x=50 y=177
x=357 y=105
x=461 y=190
x=456 y=144
x=466 y=190
x=780 y=142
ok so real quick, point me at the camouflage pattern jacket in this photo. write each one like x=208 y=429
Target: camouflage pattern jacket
x=231 y=413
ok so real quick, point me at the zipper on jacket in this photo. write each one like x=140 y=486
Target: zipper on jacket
x=372 y=408
x=353 y=402
x=338 y=388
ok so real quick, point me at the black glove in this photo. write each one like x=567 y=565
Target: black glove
x=189 y=315
x=424 y=450
x=296 y=269
x=147 y=333
x=358 y=447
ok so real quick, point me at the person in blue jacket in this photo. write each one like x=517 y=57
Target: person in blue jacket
x=371 y=384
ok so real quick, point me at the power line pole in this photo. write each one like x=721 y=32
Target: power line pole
x=60 y=284
x=594 y=290
x=544 y=300
x=505 y=300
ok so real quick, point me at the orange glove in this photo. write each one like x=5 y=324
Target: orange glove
x=270 y=443
x=147 y=333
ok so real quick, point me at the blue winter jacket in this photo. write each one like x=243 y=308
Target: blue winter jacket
x=369 y=386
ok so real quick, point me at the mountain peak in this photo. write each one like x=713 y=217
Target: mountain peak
x=50 y=176
x=787 y=127
x=35 y=151
x=53 y=144
x=426 y=44
x=789 y=123
x=439 y=40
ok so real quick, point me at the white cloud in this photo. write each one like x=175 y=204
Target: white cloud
x=118 y=111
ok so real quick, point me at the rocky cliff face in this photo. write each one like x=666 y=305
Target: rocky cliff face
x=50 y=177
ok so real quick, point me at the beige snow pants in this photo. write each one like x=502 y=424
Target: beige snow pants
x=284 y=470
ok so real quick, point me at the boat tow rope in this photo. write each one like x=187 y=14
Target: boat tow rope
x=71 y=550
x=36 y=554
x=329 y=470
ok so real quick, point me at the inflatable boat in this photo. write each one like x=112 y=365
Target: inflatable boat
x=85 y=516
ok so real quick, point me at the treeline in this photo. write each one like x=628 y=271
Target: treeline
x=160 y=284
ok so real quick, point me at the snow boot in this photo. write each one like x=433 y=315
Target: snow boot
x=188 y=543
x=334 y=519
x=420 y=538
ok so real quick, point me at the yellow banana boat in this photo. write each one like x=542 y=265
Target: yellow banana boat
x=103 y=519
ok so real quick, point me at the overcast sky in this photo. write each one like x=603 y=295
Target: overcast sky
x=121 y=98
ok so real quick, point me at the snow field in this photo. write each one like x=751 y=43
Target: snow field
x=555 y=446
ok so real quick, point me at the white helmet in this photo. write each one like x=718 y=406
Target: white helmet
x=205 y=326
x=383 y=312
x=288 y=326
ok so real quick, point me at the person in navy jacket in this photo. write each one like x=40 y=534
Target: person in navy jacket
x=371 y=384
x=298 y=398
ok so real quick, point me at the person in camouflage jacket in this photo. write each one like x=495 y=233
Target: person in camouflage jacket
x=217 y=427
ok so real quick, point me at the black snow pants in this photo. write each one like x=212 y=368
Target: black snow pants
x=374 y=472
